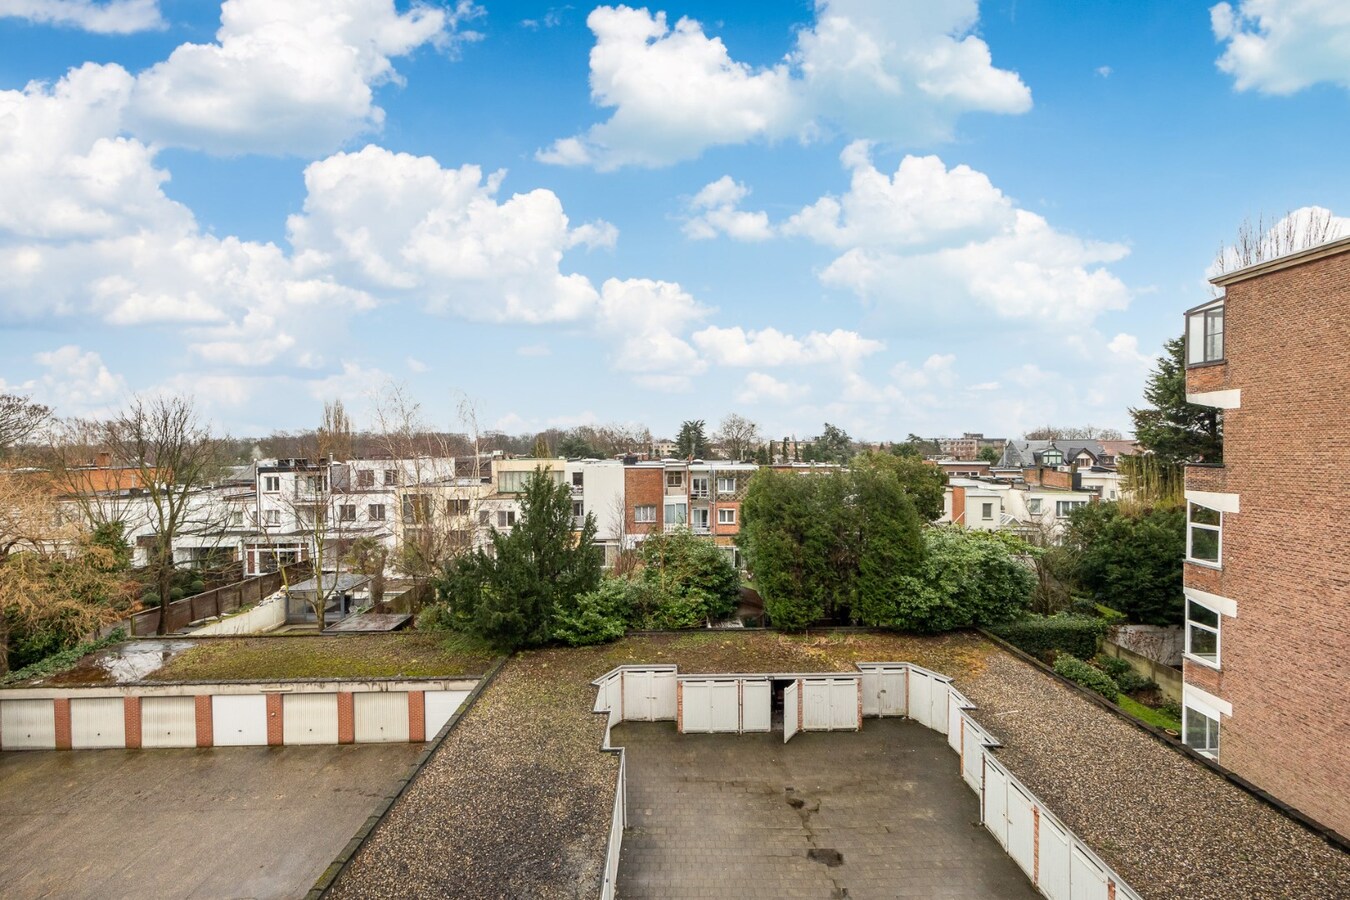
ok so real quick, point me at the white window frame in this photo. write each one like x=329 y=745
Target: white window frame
x=271 y=517
x=698 y=486
x=1033 y=506
x=987 y=511
x=271 y=484
x=699 y=519
x=677 y=514
x=726 y=484
x=1213 y=732
x=726 y=516
x=641 y=515
x=1216 y=563
x=1063 y=508
x=1216 y=629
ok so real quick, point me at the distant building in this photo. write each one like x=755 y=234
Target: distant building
x=969 y=445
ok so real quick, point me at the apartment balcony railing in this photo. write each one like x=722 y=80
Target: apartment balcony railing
x=699 y=494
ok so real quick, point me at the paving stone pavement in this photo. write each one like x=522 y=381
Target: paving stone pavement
x=732 y=816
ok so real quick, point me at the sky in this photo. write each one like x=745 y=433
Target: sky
x=898 y=217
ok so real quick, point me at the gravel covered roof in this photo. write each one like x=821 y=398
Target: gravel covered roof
x=517 y=800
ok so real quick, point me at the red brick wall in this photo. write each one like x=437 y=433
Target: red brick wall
x=958 y=505
x=725 y=529
x=346 y=718
x=61 y=708
x=275 y=723
x=644 y=487
x=205 y=726
x=417 y=716
x=131 y=719
x=1207 y=478
x=1285 y=657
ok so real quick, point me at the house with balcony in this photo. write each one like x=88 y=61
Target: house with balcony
x=1267 y=575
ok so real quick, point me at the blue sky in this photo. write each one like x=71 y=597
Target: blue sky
x=895 y=217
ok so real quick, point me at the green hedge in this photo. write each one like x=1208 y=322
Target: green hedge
x=1079 y=672
x=1039 y=635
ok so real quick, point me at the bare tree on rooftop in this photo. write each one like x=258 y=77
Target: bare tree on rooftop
x=1264 y=240
x=1072 y=433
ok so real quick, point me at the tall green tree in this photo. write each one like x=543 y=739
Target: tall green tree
x=690 y=582
x=890 y=541
x=1128 y=557
x=989 y=455
x=787 y=546
x=692 y=442
x=923 y=482
x=834 y=445
x=536 y=573
x=1174 y=430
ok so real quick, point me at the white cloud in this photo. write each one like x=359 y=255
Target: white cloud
x=1283 y=46
x=108 y=17
x=1104 y=71
x=534 y=350
x=1125 y=347
x=646 y=318
x=416 y=365
x=402 y=224
x=929 y=238
x=77 y=382
x=936 y=371
x=869 y=68
x=759 y=387
x=713 y=211
x=1304 y=227
x=770 y=347
x=293 y=77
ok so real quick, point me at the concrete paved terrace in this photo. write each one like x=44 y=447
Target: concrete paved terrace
x=224 y=822
x=878 y=813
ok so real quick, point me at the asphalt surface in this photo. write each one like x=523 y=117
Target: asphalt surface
x=228 y=822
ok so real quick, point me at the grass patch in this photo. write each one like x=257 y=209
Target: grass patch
x=353 y=656
x=1148 y=715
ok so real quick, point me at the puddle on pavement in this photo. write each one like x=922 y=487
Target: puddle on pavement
x=122 y=664
x=830 y=858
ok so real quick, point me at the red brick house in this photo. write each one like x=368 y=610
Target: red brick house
x=1267 y=571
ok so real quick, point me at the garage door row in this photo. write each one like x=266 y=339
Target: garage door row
x=1060 y=864
x=226 y=719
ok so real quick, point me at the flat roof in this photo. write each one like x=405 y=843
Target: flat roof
x=1265 y=267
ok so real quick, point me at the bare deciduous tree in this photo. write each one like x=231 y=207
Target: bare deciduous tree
x=20 y=419
x=1262 y=240
x=738 y=437
x=174 y=456
x=1072 y=433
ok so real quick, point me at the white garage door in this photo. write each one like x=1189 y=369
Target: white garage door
x=1087 y=881
x=972 y=756
x=648 y=696
x=441 y=705
x=381 y=717
x=27 y=725
x=309 y=718
x=711 y=706
x=937 y=713
x=996 y=802
x=921 y=697
x=1021 y=830
x=1052 y=856
x=168 y=722
x=98 y=722
x=756 y=705
x=830 y=704
x=239 y=720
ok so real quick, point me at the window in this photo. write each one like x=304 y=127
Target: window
x=726 y=484
x=1052 y=458
x=271 y=517
x=987 y=511
x=375 y=512
x=365 y=478
x=347 y=512
x=458 y=506
x=578 y=479
x=514 y=482
x=237 y=518
x=1034 y=506
x=316 y=484
x=271 y=484
x=644 y=514
x=390 y=477
x=1204 y=335
x=1064 y=507
x=416 y=509
x=506 y=518
x=484 y=517
x=726 y=517
x=674 y=479
x=578 y=510
x=700 y=519
x=1204 y=534
x=1202 y=633
x=698 y=485
x=677 y=514
x=1200 y=731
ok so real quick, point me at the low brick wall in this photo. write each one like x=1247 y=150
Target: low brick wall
x=233 y=714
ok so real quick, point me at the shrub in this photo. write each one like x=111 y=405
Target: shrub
x=1112 y=665
x=1039 y=635
x=197 y=587
x=596 y=617
x=436 y=617
x=686 y=582
x=1079 y=672
x=150 y=598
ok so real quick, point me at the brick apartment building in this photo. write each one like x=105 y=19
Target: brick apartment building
x=1267 y=571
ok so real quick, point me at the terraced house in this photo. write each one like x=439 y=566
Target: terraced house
x=1267 y=575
